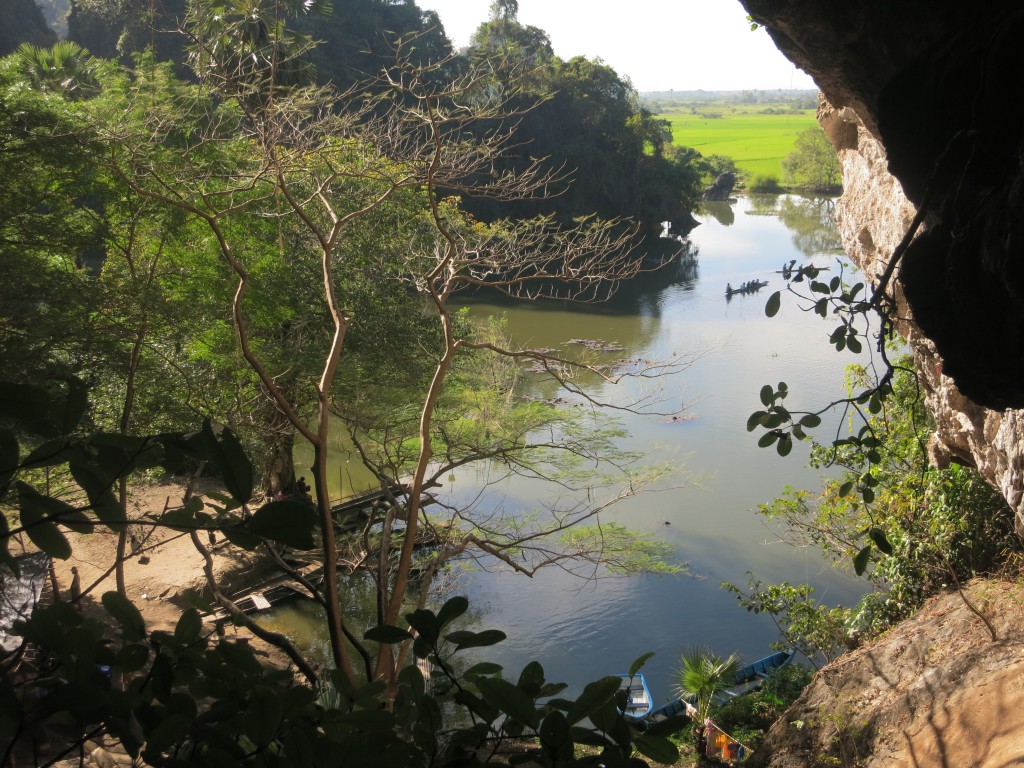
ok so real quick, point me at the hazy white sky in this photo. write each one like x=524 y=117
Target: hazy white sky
x=658 y=44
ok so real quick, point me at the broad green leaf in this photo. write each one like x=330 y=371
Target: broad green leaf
x=879 y=538
x=853 y=345
x=868 y=495
x=126 y=614
x=531 y=678
x=483 y=668
x=860 y=562
x=226 y=453
x=756 y=419
x=767 y=394
x=8 y=457
x=768 y=438
x=188 y=628
x=263 y=716
x=810 y=421
x=554 y=731
x=451 y=610
x=771 y=309
x=68 y=411
x=27 y=405
x=371 y=720
x=637 y=665
x=669 y=725
x=475 y=639
x=424 y=621
x=287 y=522
x=594 y=696
x=48 y=538
x=509 y=699
x=785 y=445
x=387 y=634
x=834 y=284
x=98 y=485
x=55 y=510
x=845 y=488
x=658 y=748
x=132 y=657
x=36 y=513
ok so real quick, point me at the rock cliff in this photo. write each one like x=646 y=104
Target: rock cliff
x=934 y=691
x=916 y=106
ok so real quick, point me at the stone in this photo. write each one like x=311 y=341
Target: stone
x=721 y=187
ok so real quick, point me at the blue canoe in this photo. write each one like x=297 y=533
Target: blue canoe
x=755 y=673
x=639 y=703
x=761 y=668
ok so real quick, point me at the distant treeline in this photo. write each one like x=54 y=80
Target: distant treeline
x=617 y=158
x=665 y=101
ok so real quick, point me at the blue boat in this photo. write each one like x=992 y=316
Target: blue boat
x=760 y=669
x=638 y=697
x=747 y=679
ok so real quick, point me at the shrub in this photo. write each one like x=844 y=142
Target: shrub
x=764 y=184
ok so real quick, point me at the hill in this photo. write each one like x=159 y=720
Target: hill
x=934 y=690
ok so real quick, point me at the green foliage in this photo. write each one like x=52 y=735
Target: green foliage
x=813 y=163
x=764 y=184
x=703 y=674
x=807 y=626
x=193 y=696
x=618 y=161
x=749 y=716
x=834 y=299
x=911 y=530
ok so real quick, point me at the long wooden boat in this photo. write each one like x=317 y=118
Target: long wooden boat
x=761 y=668
x=750 y=287
x=746 y=679
x=638 y=697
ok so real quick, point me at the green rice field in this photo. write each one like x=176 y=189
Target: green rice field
x=756 y=142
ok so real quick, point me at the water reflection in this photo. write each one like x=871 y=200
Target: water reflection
x=720 y=210
x=810 y=219
x=812 y=222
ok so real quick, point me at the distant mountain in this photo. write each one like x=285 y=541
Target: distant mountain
x=21 y=21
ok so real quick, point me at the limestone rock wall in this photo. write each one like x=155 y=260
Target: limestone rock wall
x=920 y=89
x=872 y=216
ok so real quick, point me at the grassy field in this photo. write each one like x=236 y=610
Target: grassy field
x=757 y=142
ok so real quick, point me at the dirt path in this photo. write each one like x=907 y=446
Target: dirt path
x=164 y=570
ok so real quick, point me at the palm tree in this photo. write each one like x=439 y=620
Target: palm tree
x=703 y=674
x=65 y=68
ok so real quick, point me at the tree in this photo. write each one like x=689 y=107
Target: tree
x=704 y=674
x=194 y=696
x=256 y=150
x=275 y=152
x=813 y=163
x=504 y=10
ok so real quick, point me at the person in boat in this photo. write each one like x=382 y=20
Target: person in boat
x=728 y=287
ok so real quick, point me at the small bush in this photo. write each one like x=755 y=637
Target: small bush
x=764 y=184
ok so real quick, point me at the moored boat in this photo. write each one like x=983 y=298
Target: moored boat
x=638 y=696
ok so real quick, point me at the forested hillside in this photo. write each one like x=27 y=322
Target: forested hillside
x=22 y=21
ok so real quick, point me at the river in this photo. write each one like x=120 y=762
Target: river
x=582 y=629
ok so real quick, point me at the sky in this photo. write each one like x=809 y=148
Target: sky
x=659 y=45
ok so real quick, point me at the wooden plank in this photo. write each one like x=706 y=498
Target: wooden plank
x=260 y=601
